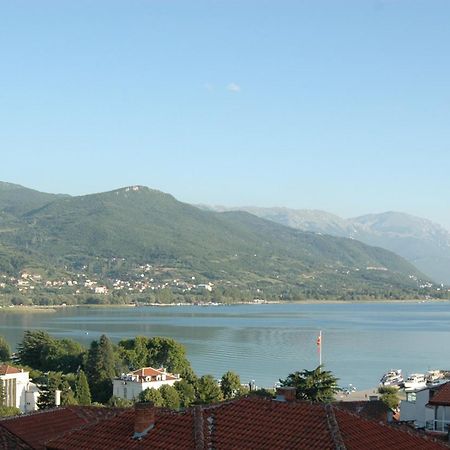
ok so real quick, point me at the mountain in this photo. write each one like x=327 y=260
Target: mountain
x=422 y=242
x=233 y=249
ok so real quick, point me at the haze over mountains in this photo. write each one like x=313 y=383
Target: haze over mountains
x=234 y=248
x=422 y=242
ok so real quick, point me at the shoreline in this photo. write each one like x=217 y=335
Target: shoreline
x=55 y=308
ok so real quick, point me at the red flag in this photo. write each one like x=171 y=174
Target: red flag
x=319 y=340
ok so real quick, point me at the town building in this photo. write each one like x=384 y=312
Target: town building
x=250 y=423
x=18 y=390
x=428 y=408
x=129 y=386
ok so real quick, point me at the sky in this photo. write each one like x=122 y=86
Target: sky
x=336 y=105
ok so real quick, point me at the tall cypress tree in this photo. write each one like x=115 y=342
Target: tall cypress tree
x=82 y=392
x=100 y=369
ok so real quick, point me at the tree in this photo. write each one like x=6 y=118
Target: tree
x=5 y=350
x=230 y=385
x=170 y=396
x=8 y=411
x=315 y=385
x=389 y=396
x=118 y=402
x=100 y=369
x=208 y=391
x=151 y=395
x=47 y=396
x=168 y=353
x=82 y=391
x=34 y=348
x=67 y=394
x=186 y=392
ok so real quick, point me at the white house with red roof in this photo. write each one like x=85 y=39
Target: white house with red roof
x=19 y=391
x=130 y=385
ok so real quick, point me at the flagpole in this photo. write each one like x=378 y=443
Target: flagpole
x=320 y=347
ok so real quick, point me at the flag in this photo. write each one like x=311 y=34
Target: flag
x=319 y=340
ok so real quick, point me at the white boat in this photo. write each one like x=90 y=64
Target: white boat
x=415 y=381
x=434 y=377
x=392 y=378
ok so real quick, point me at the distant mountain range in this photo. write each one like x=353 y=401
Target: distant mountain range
x=423 y=243
x=232 y=248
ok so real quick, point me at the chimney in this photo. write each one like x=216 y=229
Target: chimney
x=144 y=419
x=57 y=397
x=286 y=394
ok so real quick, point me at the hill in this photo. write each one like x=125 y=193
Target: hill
x=423 y=243
x=140 y=226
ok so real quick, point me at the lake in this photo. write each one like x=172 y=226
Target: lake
x=360 y=341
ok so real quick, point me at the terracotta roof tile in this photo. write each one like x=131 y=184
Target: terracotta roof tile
x=250 y=423
x=5 y=369
x=359 y=433
x=442 y=395
x=37 y=428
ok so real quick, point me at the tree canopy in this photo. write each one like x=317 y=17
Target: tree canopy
x=315 y=385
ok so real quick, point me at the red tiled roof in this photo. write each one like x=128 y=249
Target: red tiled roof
x=151 y=372
x=37 y=428
x=250 y=423
x=5 y=369
x=375 y=409
x=442 y=395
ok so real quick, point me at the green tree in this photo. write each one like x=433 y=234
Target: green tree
x=151 y=395
x=100 y=369
x=208 y=390
x=186 y=392
x=118 y=402
x=315 y=385
x=134 y=352
x=389 y=396
x=82 y=391
x=34 y=348
x=47 y=397
x=170 y=396
x=67 y=394
x=5 y=350
x=230 y=385
x=168 y=353
x=8 y=411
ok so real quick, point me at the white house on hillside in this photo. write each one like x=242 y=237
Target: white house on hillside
x=19 y=391
x=130 y=385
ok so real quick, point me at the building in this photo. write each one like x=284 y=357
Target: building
x=250 y=423
x=19 y=391
x=428 y=408
x=129 y=386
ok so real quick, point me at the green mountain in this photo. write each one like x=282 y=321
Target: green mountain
x=423 y=243
x=144 y=226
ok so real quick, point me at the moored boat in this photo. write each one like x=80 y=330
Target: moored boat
x=415 y=381
x=392 y=378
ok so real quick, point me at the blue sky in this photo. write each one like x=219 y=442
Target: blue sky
x=339 y=105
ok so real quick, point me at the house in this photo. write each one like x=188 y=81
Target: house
x=428 y=408
x=246 y=423
x=19 y=391
x=129 y=386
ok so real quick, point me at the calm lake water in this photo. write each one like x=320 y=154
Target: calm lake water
x=267 y=342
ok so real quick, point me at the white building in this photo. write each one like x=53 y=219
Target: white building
x=19 y=391
x=130 y=385
x=428 y=408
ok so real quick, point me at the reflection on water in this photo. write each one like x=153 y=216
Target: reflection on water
x=267 y=342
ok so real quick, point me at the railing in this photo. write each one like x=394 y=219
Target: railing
x=438 y=425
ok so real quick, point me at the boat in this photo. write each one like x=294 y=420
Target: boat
x=415 y=381
x=434 y=377
x=392 y=378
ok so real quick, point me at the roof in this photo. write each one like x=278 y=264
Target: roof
x=5 y=369
x=151 y=372
x=374 y=409
x=33 y=430
x=441 y=395
x=247 y=423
